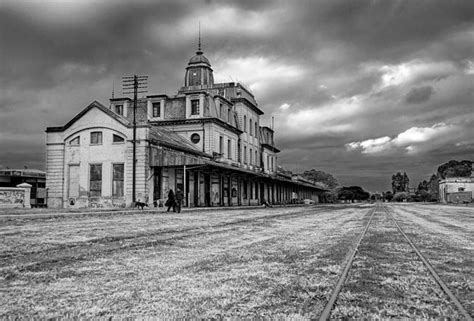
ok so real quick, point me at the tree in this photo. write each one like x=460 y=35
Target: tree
x=352 y=193
x=424 y=195
x=423 y=186
x=388 y=196
x=321 y=177
x=401 y=196
x=434 y=187
x=400 y=182
x=455 y=168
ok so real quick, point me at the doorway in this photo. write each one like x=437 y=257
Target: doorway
x=207 y=189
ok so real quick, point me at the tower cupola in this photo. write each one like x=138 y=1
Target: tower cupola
x=199 y=71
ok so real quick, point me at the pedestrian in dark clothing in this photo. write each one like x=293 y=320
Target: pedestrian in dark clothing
x=266 y=204
x=170 y=202
x=179 y=198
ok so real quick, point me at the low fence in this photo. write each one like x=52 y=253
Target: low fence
x=14 y=197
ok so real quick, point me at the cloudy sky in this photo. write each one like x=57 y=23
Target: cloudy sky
x=361 y=89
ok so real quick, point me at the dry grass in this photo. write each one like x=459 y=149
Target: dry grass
x=278 y=262
x=246 y=263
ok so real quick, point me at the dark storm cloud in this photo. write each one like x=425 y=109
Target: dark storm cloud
x=419 y=94
x=343 y=71
x=112 y=38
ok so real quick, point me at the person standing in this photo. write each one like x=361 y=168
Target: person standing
x=170 y=202
x=179 y=198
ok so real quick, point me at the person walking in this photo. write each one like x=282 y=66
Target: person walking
x=179 y=198
x=170 y=202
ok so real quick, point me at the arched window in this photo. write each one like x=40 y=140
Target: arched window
x=245 y=154
x=256 y=129
x=250 y=155
x=256 y=158
x=250 y=126
x=245 y=123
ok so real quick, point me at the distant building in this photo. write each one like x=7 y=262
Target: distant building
x=456 y=189
x=34 y=177
x=206 y=140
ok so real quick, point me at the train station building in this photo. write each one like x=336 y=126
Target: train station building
x=207 y=140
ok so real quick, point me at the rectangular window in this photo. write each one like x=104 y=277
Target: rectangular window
x=119 y=109
x=250 y=155
x=195 y=107
x=229 y=149
x=245 y=154
x=156 y=109
x=250 y=126
x=256 y=160
x=96 y=138
x=95 y=180
x=117 y=180
x=221 y=145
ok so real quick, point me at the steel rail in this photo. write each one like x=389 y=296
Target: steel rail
x=327 y=309
x=430 y=268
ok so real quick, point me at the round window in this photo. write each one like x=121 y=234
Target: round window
x=195 y=138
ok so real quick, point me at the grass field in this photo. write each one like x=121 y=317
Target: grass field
x=244 y=263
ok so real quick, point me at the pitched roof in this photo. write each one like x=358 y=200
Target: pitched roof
x=94 y=104
x=171 y=139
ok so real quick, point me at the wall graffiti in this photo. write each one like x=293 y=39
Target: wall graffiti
x=96 y=202
x=12 y=197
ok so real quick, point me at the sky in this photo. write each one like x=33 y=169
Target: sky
x=360 y=89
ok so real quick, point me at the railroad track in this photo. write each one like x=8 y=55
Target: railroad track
x=325 y=315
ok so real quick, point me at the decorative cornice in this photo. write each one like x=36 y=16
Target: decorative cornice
x=270 y=147
x=223 y=98
x=267 y=128
x=120 y=99
x=157 y=96
x=248 y=103
x=197 y=121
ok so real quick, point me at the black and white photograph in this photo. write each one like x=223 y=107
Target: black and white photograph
x=237 y=159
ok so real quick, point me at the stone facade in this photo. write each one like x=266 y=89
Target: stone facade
x=206 y=140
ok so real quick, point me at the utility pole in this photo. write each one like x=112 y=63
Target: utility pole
x=134 y=82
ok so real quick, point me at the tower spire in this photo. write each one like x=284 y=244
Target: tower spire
x=199 y=51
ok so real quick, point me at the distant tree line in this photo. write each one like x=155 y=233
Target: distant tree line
x=334 y=191
x=426 y=190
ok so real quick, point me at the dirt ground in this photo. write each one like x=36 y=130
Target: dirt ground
x=243 y=263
